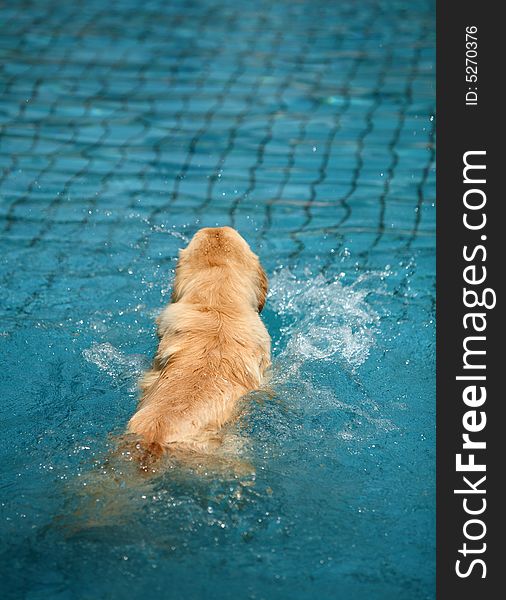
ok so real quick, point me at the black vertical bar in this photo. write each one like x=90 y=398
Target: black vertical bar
x=472 y=123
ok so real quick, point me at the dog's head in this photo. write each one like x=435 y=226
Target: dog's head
x=220 y=254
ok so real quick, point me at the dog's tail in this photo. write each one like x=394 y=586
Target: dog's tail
x=148 y=455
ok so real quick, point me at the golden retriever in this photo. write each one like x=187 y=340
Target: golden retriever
x=213 y=345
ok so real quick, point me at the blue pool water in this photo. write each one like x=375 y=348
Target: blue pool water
x=124 y=127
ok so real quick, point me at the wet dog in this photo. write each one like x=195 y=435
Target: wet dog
x=213 y=346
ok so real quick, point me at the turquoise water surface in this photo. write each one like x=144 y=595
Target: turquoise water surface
x=309 y=126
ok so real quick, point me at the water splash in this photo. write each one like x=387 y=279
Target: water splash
x=330 y=322
x=118 y=365
x=324 y=320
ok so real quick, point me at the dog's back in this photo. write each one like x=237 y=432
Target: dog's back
x=213 y=346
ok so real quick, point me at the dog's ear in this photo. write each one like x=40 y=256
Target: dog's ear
x=263 y=286
x=174 y=297
x=176 y=288
x=179 y=278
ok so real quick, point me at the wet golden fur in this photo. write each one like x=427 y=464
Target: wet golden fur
x=213 y=346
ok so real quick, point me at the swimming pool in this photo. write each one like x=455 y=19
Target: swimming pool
x=126 y=126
